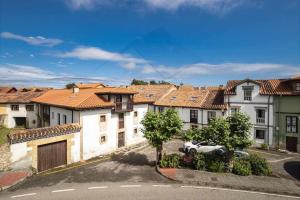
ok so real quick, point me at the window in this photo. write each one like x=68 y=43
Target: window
x=160 y=109
x=52 y=115
x=260 y=116
x=248 y=93
x=234 y=110
x=211 y=115
x=102 y=139
x=118 y=98
x=291 y=124
x=29 y=107
x=14 y=107
x=58 y=118
x=102 y=118
x=135 y=131
x=65 y=119
x=298 y=86
x=135 y=114
x=193 y=116
x=260 y=134
x=121 y=120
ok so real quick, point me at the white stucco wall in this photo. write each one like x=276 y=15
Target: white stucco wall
x=18 y=151
x=249 y=107
x=54 y=116
x=31 y=116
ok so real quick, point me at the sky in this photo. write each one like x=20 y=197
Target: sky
x=199 y=42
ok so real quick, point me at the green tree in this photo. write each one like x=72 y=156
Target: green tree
x=70 y=85
x=160 y=127
x=240 y=126
x=138 y=82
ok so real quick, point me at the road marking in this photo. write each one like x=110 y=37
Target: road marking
x=244 y=191
x=274 y=161
x=66 y=190
x=130 y=186
x=99 y=187
x=23 y=195
x=161 y=185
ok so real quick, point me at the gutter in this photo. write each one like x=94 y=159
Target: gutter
x=268 y=140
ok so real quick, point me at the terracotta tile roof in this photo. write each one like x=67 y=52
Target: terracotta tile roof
x=184 y=96
x=267 y=87
x=150 y=93
x=89 y=85
x=85 y=98
x=215 y=99
x=115 y=90
x=24 y=135
x=7 y=89
x=19 y=97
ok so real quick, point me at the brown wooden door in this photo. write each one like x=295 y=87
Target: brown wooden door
x=121 y=120
x=121 y=139
x=291 y=144
x=52 y=155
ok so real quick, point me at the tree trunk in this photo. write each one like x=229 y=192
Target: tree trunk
x=158 y=153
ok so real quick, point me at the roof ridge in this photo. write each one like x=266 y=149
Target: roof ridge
x=204 y=99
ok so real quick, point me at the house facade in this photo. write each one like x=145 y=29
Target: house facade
x=254 y=99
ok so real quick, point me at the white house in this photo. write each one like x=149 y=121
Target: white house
x=17 y=110
x=105 y=119
x=255 y=99
x=196 y=106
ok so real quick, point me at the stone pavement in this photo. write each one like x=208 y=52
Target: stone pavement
x=10 y=178
x=226 y=180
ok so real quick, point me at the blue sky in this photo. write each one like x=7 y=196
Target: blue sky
x=199 y=42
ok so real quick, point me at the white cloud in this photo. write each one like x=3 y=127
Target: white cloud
x=94 y=53
x=199 y=69
x=24 y=75
x=38 y=40
x=214 y=6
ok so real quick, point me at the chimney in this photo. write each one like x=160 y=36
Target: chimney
x=75 y=89
x=220 y=86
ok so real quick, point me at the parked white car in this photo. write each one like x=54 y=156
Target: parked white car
x=200 y=147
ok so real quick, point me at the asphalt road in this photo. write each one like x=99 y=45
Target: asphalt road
x=131 y=191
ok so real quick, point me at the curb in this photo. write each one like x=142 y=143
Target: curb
x=225 y=186
x=16 y=183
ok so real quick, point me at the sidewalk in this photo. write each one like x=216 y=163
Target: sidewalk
x=10 y=178
x=226 y=180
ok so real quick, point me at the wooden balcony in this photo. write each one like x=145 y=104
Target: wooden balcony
x=123 y=106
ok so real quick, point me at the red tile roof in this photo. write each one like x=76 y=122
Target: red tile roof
x=19 y=97
x=89 y=85
x=24 y=135
x=7 y=89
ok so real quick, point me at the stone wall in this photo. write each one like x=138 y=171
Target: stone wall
x=5 y=157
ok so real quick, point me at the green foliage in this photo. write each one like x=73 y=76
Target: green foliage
x=264 y=146
x=217 y=132
x=170 y=161
x=241 y=167
x=3 y=134
x=240 y=125
x=259 y=165
x=152 y=82
x=70 y=85
x=216 y=166
x=199 y=161
x=138 y=82
x=193 y=134
x=160 y=127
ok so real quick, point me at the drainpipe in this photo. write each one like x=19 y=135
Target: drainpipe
x=201 y=118
x=72 y=117
x=268 y=139
x=278 y=117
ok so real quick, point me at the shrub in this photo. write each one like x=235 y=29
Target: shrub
x=199 y=161
x=216 y=166
x=264 y=146
x=170 y=161
x=259 y=165
x=241 y=167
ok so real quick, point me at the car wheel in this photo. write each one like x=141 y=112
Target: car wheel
x=193 y=151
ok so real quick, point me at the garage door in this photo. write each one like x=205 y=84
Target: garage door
x=291 y=144
x=52 y=155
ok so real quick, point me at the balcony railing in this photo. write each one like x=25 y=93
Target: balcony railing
x=123 y=106
x=260 y=120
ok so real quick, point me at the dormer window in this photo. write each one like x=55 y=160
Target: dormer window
x=297 y=87
x=248 y=93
